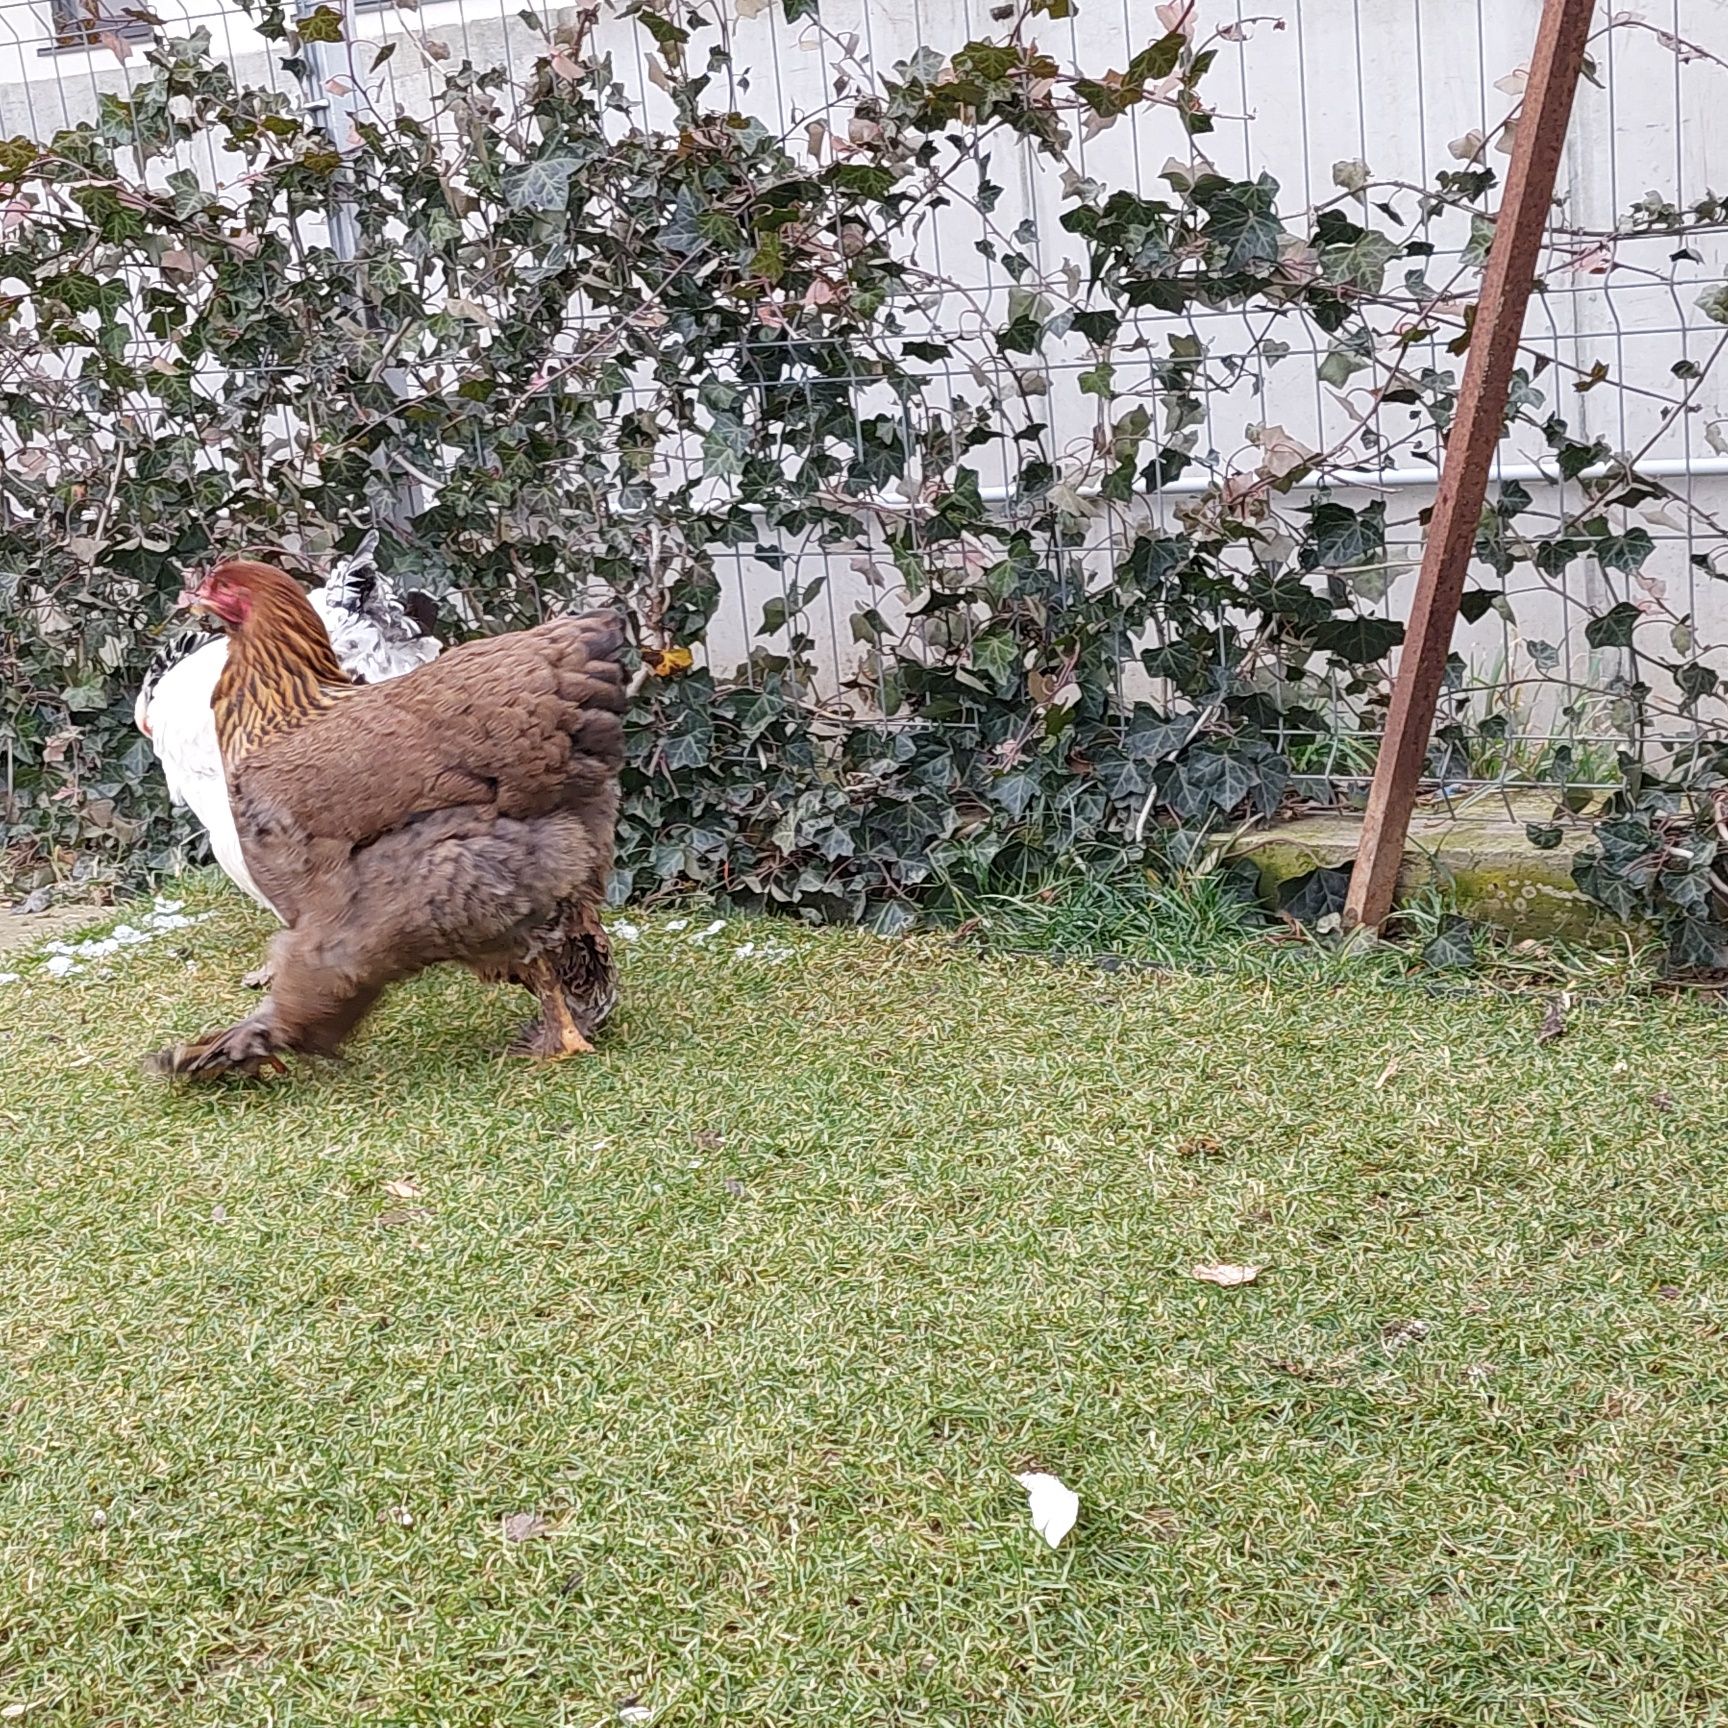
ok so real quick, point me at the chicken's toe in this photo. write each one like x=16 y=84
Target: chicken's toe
x=247 y=1050
x=261 y=979
x=541 y=1041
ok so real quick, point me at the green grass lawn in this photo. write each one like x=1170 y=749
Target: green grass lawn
x=758 y=1311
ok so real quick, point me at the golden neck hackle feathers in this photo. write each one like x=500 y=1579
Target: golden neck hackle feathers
x=281 y=668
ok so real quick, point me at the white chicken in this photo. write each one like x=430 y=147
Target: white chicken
x=376 y=637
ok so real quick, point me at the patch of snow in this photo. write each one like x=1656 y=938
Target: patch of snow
x=173 y=920
x=713 y=929
x=9 y=978
x=63 y=957
x=625 y=931
x=677 y=924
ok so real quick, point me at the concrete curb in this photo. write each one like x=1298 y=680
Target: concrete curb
x=1481 y=860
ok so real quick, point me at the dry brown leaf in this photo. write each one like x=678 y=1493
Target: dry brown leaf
x=1200 y=1146
x=1401 y=1334
x=401 y=1215
x=402 y=1188
x=1177 y=16
x=1553 y=1022
x=524 y=1526
x=1281 y=454
x=1225 y=1275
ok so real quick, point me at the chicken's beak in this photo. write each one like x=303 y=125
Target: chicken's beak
x=191 y=600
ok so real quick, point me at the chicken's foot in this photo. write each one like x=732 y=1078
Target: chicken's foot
x=555 y=1034
x=248 y=1049
x=262 y=979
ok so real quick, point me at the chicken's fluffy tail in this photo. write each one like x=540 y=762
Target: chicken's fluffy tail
x=587 y=654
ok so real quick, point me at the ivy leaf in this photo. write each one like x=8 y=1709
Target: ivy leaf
x=1713 y=303
x=1696 y=681
x=1359 y=641
x=861 y=179
x=1159 y=60
x=1362 y=262
x=1099 y=380
x=724 y=446
x=322 y=24
x=1481 y=238
x=1613 y=628
x=540 y=185
x=89 y=698
x=1209 y=781
x=1544 y=836
x=1342 y=537
x=1243 y=229
x=1316 y=897
x=1342 y=362
x=1624 y=551
x=1454 y=947
x=1015 y=792
x=997 y=655
x=1697 y=945
x=1234 y=784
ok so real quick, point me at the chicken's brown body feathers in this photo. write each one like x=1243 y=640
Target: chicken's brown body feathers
x=464 y=811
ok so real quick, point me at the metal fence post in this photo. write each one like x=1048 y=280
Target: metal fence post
x=1537 y=145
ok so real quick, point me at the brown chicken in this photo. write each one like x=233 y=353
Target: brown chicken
x=464 y=812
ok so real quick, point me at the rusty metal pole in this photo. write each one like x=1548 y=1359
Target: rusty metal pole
x=1537 y=143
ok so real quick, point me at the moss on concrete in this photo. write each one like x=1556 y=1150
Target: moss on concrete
x=1483 y=863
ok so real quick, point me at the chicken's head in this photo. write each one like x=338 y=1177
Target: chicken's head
x=236 y=591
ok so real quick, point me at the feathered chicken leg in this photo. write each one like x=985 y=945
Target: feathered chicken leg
x=322 y=988
x=576 y=982
x=556 y=1033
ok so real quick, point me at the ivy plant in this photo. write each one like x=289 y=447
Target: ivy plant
x=579 y=355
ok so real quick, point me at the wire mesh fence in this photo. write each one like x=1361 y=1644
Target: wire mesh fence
x=1383 y=119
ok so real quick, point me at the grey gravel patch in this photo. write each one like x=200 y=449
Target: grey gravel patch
x=24 y=929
